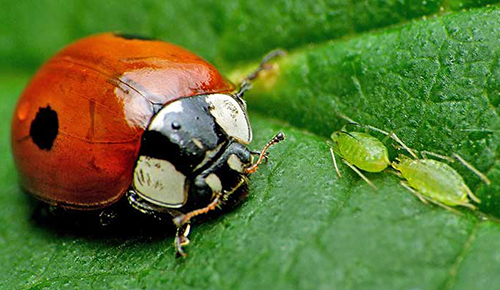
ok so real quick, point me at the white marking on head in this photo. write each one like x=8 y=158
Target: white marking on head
x=214 y=182
x=235 y=163
x=158 y=182
x=209 y=154
x=231 y=116
x=158 y=121
x=197 y=143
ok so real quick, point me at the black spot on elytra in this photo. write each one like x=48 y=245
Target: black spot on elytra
x=133 y=36
x=44 y=128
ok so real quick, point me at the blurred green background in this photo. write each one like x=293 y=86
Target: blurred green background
x=428 y=70
x=224 y=32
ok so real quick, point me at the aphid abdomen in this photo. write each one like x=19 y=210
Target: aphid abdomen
x=434 y=179
x=364 y=151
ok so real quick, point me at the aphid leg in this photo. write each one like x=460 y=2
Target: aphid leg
x=473 y=169
x=469 y=205
x=416 y=193
x=471 y=195
x=335 y=163
x=426 y=199
x=245 y=85
x=360 y=174
x=391 y=171
x=440 y=204
x=276 y=139
x=181 y=239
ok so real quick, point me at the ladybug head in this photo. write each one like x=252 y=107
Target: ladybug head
x=193 y=148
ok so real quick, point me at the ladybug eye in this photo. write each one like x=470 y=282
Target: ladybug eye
x=176 y=125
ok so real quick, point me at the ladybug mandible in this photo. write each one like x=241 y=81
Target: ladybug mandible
x=113 y=116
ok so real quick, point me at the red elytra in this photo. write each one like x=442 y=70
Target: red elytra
x=103 y=90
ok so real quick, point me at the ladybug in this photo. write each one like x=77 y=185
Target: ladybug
x=114 y=117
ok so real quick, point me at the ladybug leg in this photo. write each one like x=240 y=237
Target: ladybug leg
x=276 y=139
x=183 y=227
x=218 y=200
x=182 y=221
x=106 y=217
x=181 y=239
x=245 y=85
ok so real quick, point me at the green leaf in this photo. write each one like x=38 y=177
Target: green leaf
x=221 y=31
x=432 y=81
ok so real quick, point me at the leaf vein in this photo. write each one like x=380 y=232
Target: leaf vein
x=451 y=278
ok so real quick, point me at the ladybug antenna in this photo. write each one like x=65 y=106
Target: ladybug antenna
x=245 y=86
x=263 y=154
x=264 y=65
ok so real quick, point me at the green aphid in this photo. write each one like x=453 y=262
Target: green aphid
x=430 y=180
x=359 y=150
x=437 y=182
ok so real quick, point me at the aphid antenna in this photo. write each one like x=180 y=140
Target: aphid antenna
x=349 y=120
x=396 y=138
x=391 y=135
x=424 y=154
x=335 y=163
x=360 y=174
x=348 y=134
x=378 y=130
x=369 y=127
x=472 y=168
x=352 y=122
